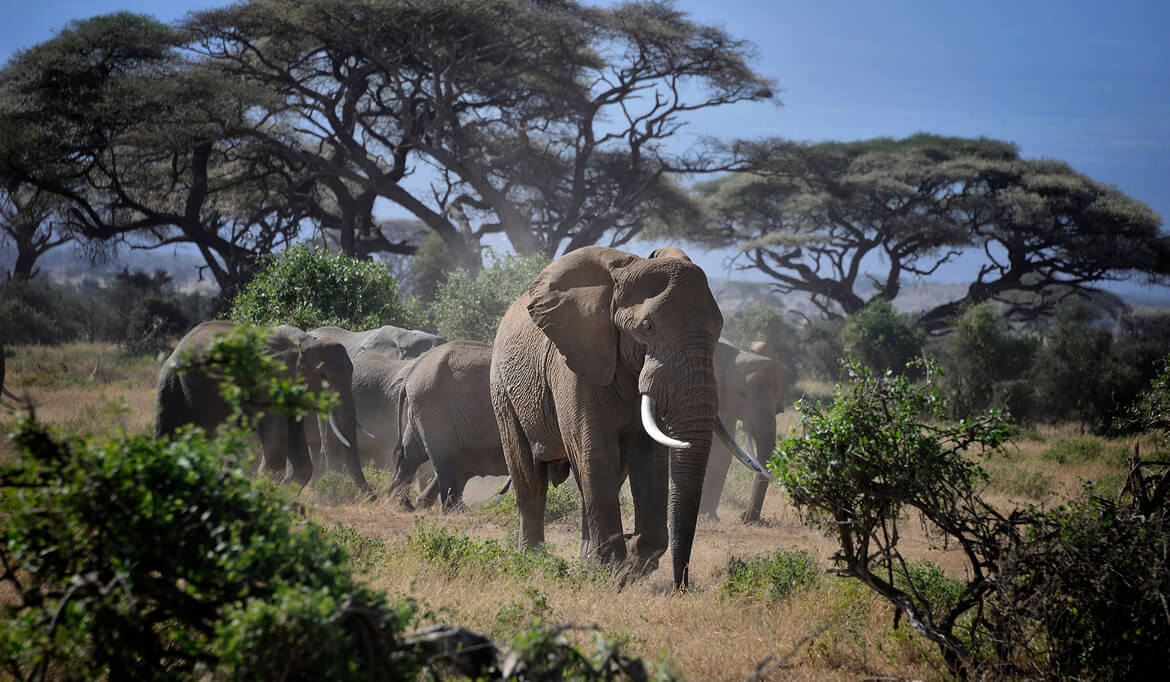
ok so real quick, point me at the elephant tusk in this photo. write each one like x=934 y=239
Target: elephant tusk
x=337 y=432
x=748 y=461
x=367 y=432
x=652 y=429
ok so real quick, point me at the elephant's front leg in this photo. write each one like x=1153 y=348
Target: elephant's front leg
x=598 y=467
x=649 y=484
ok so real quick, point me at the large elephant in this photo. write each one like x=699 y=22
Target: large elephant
x=445 y=415
x=602 y=348
x=752 y=390
x=194 y=398
x=378 y=356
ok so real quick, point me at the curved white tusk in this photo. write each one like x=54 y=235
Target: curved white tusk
x=748 y=461
x=337 y=432
x=652 y=429
x=367 y=432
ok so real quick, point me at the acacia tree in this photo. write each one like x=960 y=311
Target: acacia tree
x=846 y=222
x=543 y=121
x=28 y=219
x=135 y=141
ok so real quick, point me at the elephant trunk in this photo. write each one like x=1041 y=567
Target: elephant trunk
x=688 y=401
x=687 y=470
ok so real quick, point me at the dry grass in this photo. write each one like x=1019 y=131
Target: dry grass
x=835 y=630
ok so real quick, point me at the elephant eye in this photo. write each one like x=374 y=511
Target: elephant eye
x=645 y=324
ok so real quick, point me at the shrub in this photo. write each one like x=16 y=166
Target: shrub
x=1075 y=592
x=881 y=338
x=308 y=288
x=774 y=577
x=102 y=590
x=153 y=323
x=470 y=307
x=1084 y=597
x=31 y=312
x=882 y=449
x=984 y=360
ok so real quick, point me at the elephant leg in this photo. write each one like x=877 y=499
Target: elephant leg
x=409 y=454
x=298 y=451
x=600 y=475
x=759 y=490
x=718 y=463
x=429 y=494
x=649 y=469
x=451 y=491
x=528 y=480
x=273 y=433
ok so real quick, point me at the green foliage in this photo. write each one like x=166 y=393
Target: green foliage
x=1085 y=596
x=307 y=288
x=983 y=358
x=774 y=577
x=881 y=338
x=880 y=449
x=470 y=307
x=822 y=349
x=31 y=312
x=1153 y=408
x=459 y=555
x=563 y=503
x=153 y=323
x=240 y=587
x=934 y=587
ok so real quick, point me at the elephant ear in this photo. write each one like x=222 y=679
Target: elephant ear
x=670 y=252
x=572 y=303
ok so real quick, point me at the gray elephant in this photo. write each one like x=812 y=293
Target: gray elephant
x=752 y=390
x=194 y=398
x=602 y=349
x=378 y=356
x=445 y=415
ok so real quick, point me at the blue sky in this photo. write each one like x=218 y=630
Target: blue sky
x=1087 y=82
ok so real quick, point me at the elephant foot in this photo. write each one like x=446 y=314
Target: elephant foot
x=400 y=500
x=610 y=551
x=751 y=519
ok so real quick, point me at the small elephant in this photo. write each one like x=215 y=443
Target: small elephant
x=752 y=390
x=445 y=415
x=602 y=348
x=378 y=356
x=194 y=398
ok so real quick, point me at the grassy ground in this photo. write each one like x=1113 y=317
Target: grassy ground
x=817 y=627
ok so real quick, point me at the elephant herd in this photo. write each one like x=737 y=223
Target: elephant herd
x=609 y=367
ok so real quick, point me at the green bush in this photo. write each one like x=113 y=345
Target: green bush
x=154 y=322
x=32 y=312
x=881 y=338
x=985 y=360
x=775 y=576
x=308 y=288
x=89 y=533
x=470 y=307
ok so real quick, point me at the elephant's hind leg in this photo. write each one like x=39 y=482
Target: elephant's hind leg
x=529 y=481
